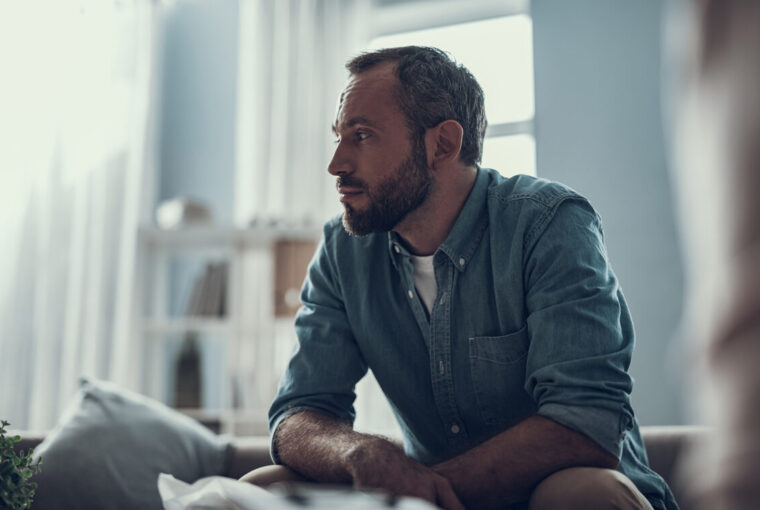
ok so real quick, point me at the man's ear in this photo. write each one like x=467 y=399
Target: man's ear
x=443 y=143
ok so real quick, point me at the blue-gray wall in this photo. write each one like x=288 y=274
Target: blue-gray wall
x=198 y=97
x=599 y=130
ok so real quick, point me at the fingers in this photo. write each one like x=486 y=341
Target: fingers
x=268 y=475
x=447 y=498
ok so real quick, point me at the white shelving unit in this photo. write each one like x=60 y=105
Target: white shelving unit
x=247 y=330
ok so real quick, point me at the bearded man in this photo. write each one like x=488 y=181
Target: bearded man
x=485 y=307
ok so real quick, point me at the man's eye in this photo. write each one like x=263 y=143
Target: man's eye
x=361 y=135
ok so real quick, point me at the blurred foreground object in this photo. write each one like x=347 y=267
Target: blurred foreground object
x=182 y=212
x=717 y=142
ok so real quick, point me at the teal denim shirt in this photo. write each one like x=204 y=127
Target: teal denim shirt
x=529 y=319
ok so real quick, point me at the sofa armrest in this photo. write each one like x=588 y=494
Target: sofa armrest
x=666 y=444
x=248 y=453
x=666 y=447
x=29 y=439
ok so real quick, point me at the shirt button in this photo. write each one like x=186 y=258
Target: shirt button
x=411 y=294
x=443 y=299
x=441 y=369
x=395 y=247
x=455 y=429
x=461 y=261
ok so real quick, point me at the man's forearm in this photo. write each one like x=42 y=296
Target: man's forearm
x=328 y=450
x=317 y=446
x=324 y=448
x=507 y=467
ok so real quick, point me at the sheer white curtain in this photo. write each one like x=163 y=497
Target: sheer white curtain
x=75 y=125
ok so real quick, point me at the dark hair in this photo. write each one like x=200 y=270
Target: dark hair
x=433 y=88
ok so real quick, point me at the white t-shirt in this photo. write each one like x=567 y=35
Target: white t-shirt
x=424 y=280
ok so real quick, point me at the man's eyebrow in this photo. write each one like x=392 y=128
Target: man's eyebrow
x=352 y=122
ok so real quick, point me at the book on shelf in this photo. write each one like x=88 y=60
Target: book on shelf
x=208 y=298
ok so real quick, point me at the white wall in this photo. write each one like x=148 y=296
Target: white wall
x=599 y=130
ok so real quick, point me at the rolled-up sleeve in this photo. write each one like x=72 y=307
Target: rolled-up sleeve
x=326 y=363
x=580 y=328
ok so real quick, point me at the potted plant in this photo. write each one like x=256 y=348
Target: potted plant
x=16 y=470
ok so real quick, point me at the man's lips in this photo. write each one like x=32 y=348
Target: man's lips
x=348 y=193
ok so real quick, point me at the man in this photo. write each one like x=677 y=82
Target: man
x=484 y=306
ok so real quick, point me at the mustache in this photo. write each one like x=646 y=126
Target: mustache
x=349 y=182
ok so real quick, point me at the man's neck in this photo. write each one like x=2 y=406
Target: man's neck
x=424 y=229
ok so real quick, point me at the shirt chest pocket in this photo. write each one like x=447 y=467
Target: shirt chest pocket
x=497 y=365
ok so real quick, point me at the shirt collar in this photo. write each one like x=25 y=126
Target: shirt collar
x=465 y=236
x=468 y=229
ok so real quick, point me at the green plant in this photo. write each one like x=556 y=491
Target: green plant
x=16 y=488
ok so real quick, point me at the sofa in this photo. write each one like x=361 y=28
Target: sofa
x=665 y=445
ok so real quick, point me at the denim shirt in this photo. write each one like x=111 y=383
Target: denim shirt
x=528 y=319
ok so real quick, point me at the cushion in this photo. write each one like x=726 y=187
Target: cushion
x=110 y=446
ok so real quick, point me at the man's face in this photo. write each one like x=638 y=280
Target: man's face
x=382 y=174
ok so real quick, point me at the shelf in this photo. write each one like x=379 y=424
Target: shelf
x=259 y=264
x=203 y=237
x=184 y=325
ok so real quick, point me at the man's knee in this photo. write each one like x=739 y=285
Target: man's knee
x=268 y=475
x=587 y=487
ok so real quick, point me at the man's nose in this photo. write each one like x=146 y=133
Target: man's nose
x=340 y=163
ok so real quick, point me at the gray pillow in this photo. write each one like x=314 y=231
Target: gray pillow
x=111 y=444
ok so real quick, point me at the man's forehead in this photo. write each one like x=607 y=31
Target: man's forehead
x=367 y=98
x=385 y=71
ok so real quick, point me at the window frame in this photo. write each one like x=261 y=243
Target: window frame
x=389 y=18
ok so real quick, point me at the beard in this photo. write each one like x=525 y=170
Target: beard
x=392 y=199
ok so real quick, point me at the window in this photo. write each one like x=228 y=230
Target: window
x=499 y=52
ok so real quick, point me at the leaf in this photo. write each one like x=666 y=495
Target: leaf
x=16 y=470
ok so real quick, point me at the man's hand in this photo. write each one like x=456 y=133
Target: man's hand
x=380 y=464
x=327 y=450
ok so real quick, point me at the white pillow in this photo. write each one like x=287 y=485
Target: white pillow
x=110 y=446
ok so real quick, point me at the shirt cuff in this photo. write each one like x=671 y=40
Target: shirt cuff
x=605 y=427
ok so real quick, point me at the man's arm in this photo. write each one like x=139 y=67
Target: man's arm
x=581 y=339
x=310 y=418
x=329 y=450
x=507 y=467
